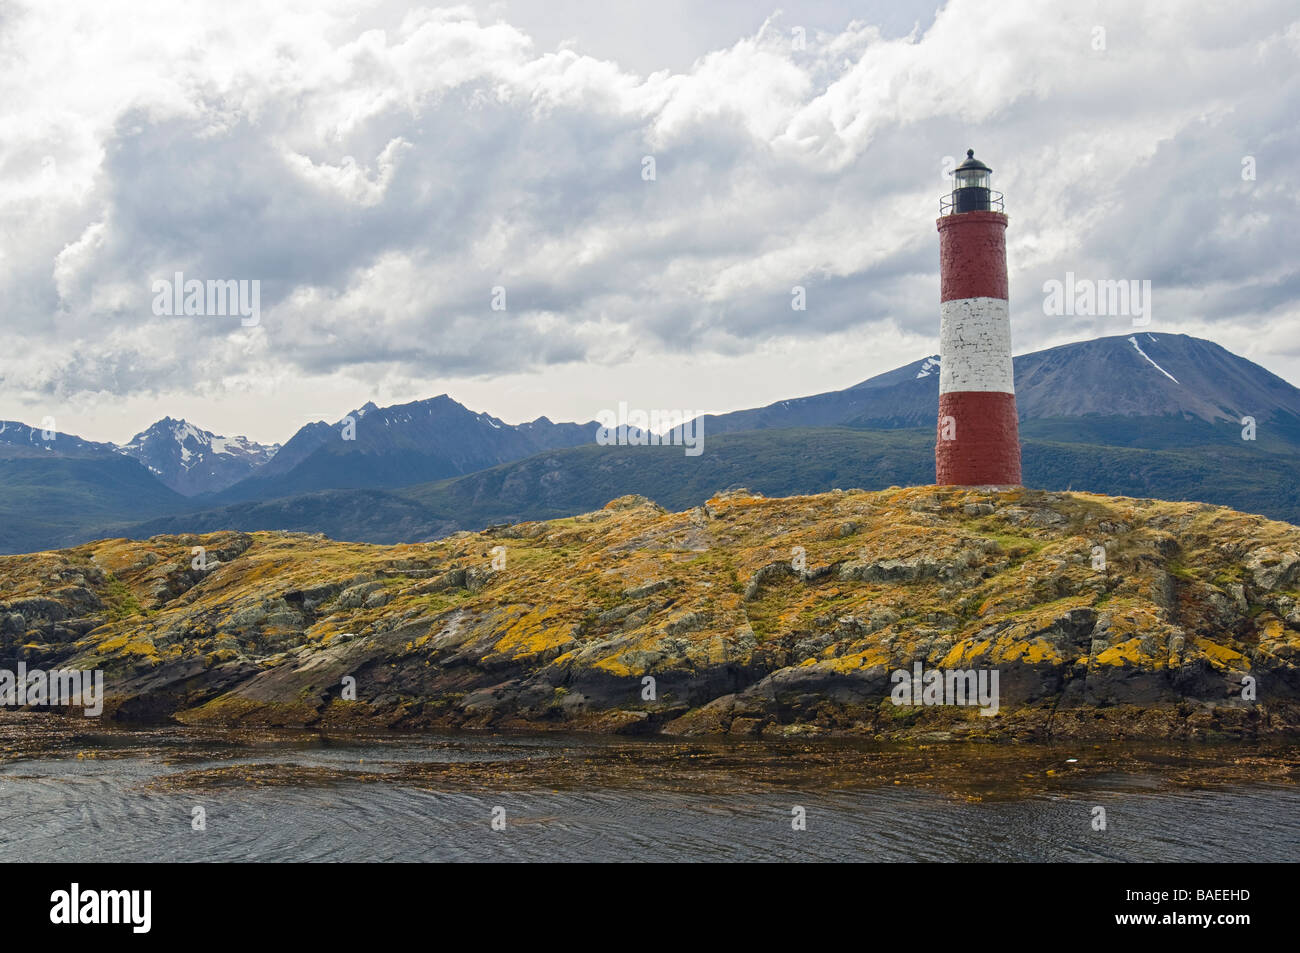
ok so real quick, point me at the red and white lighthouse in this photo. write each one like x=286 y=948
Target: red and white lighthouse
x=979 y=439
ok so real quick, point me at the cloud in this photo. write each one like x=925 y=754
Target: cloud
x=382 y=171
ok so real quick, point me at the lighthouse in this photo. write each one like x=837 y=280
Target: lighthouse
x=978 y=442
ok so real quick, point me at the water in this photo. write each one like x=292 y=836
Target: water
x=68 y=793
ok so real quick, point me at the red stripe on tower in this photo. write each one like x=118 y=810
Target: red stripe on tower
x=978 y=441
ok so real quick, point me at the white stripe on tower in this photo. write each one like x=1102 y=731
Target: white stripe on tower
x=975 y=354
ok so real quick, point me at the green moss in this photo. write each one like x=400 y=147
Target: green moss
x=901 y=714
x=438 y=602
x=1228 y=576
x=1016 y=547
x=122 y=603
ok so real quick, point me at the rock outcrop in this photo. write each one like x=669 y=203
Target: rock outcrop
x=1102 y=616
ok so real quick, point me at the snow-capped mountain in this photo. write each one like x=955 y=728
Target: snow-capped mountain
x=18 y=439
x=191 y=460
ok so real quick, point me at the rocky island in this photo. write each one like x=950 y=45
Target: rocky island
x=1104 y=617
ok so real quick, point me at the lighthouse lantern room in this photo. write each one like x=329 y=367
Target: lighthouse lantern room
x=971 y=191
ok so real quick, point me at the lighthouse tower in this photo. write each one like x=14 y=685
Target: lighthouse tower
x=978 y=442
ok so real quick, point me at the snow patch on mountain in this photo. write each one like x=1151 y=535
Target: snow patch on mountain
x=1137 y=348
x=192 y=460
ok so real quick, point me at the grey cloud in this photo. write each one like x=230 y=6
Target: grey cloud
x=519 y=175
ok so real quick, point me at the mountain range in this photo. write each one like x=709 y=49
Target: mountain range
x=386 y=447
x=181 y=456
x=1148 y=414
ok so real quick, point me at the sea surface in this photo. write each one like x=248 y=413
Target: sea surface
x=79 y=794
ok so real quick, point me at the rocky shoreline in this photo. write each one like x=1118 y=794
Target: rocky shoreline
x=1103 y=618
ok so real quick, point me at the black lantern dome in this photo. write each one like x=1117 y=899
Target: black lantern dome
x=970 y=189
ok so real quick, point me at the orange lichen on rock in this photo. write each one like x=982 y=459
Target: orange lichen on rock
x=745 y=614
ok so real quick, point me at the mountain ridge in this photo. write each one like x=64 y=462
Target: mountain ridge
x=1103 y=376
x=433 y=438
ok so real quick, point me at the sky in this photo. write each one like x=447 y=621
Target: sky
x=459 y=199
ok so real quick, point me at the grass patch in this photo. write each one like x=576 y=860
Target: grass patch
x=122 y=603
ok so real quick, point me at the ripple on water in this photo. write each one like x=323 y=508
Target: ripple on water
x=129 y=797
